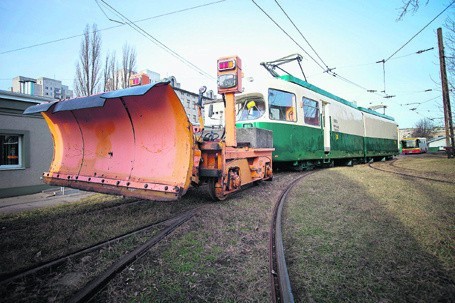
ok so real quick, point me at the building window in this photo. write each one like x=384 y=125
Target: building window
x=282 y=106
x=311 y=111
x=11 y=151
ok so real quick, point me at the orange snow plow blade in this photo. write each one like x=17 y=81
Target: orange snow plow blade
x=133 y=142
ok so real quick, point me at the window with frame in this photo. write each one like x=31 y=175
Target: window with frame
x=282 y=105
x=11 y=151
x=311 y=112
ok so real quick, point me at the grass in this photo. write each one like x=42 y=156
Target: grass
x=219 y=256
x=428 y=164
x=31 y=237
x=351 y=234
x=367 y=236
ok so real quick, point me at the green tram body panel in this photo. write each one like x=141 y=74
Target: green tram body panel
x=299 y=143
x=380 y=147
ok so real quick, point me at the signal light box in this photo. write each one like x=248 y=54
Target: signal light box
x=229 y=75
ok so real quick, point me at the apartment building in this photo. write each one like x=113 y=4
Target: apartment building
x=43 y=87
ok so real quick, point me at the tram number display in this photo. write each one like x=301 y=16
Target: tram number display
x=229 y=75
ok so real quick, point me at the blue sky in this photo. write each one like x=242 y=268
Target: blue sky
x=348 y=35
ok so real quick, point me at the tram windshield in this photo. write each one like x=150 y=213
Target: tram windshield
x=408 y=143
x=250 y=107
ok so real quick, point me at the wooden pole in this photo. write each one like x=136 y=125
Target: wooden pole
x=446 y=99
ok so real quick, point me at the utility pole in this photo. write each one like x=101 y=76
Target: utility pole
x=446 y=99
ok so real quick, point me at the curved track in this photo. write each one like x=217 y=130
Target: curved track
x=173 y=224
x=395 y=171
x=279 y=277
x=98 y=283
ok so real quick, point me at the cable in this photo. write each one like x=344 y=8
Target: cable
x=419 y=32
x=289 y=36
x=373 y=63
x=328 y=71
x=419 y=103
x=108 y=28
x=295 y=26
x=157 y=42
x=383 y=61
x=97 y=3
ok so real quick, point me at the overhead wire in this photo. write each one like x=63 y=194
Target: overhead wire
x=112 y=27
x=157 y=42
x=295 y=26
x=325 y=69
x=419 y=103
x=407 y=42
x=374 y=63
x=329 y=71
x=384 y=61
x=289 y=36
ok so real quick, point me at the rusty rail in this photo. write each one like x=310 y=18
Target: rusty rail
x=279 y=278
x=99 y=282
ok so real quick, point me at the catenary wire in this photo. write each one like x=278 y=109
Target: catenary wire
x=287 y=34
x=112 y=27
x=295 y=26
x=328 y=71
x=395 y=58
x=419 y=32
x=147 y=35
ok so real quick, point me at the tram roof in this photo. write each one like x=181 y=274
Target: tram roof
x=295 y=80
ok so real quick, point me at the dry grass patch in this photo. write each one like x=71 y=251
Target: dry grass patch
x=219 y=256
x=360 y=235
x=32 y=237
x=428 y=165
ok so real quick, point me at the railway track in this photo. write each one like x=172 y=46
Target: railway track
x=97 y=283
x=394 y=170
x=279 y=278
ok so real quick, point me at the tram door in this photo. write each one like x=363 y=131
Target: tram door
x=326 y=126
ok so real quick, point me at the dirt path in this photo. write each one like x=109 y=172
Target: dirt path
x=48 y=198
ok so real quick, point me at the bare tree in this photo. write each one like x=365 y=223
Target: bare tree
x=450 y=50
x=88 y=67
x=113 y=71
x=409 y=6
x=106 y=73
x=423 y=128
x=449 y=38
x=110 y=75
x=128 y=64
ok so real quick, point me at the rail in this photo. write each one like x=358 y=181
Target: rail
x=279 y=276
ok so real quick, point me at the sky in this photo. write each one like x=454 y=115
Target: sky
x=348 y=35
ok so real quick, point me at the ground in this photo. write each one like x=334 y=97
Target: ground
x=351 y=234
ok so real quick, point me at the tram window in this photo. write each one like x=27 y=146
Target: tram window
x=250 y=108
x=409 y=144
x=311 y=112
x=282 y=106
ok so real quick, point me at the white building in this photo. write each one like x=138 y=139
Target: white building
x=188 y=99
x=44 y=87
x=436 y=144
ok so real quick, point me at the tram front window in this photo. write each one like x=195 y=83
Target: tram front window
x=408 y=143
x=250 y=108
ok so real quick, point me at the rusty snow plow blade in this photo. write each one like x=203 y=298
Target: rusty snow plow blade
x=133 y=142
